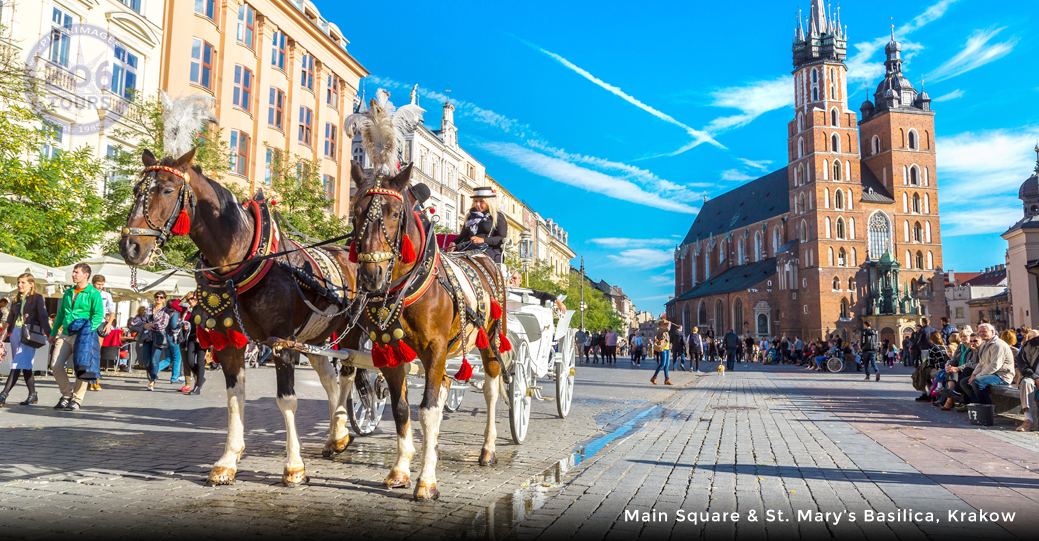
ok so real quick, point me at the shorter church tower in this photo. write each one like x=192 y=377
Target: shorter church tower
x=1023 y=255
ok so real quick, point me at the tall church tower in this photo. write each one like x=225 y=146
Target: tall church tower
x=824 y=172
x=897 y=131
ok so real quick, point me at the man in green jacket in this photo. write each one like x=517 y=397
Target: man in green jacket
x=81 y=301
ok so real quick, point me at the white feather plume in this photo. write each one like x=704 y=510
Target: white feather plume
x=382 y=127
x=182 y=119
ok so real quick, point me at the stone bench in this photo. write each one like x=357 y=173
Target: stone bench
x=1006 y=398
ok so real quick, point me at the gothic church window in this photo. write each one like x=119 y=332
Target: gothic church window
x=909 y=260
x=758 y=246
x=914 y=176
x=851 y=284
x=835 y=143
x=845 y=309
x=800 y=122
x=833 y=84
x=801 y=203
x=836 y=284
x=842 y=258
x=800 y=148
x=930 y=260
x=879 y=235
x=916 y=203
x=833 y=116
x=841 y=230
x=701 y=313
x=829 y=257
x=876 y=145
x=837 y=170
x=739 y=252
x=912 y=140
x=918 y=235
x=919 y=260
x=777 y=240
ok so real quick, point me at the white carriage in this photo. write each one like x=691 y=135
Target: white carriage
x=540 y=349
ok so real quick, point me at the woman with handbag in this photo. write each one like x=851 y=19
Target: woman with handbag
x=29 y=327
x=158 y=339
x=192 y=353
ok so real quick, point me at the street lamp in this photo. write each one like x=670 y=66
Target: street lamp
x=526 y=253
x=583 y=305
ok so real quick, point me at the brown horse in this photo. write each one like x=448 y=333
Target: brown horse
x=425 y=304
x=275 y=305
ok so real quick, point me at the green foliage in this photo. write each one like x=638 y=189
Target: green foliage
x=600 y=313
x=302 y=198
x=50 y=211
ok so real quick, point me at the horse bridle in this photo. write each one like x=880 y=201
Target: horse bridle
x=374 y=214
x=185 y=200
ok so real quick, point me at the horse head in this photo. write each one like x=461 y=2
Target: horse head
x=380 y=215
x=164 y=205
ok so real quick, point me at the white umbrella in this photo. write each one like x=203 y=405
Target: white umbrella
x=11 y=267
x=117 y=277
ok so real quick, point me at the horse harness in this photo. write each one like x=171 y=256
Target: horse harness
x=185 y=200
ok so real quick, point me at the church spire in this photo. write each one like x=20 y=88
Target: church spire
x=799 y=34
x=819 y=22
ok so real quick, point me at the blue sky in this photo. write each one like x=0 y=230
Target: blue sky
x=615 y=118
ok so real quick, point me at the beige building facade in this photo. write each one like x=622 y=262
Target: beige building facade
x=282 y=78
x=1022 y=259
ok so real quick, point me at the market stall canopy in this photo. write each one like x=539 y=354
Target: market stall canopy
x=11 y=267
x=117 y=278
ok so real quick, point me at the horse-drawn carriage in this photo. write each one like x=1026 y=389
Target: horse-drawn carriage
x=541 y=349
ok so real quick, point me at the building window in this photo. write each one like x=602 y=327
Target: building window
x=833 y=117
x=879 y=235
x=330 y=140
x=53 y=146
x=841 y=230
x=800 y=148
x=876 y=145
x=836 y=284
x=307 y=72
x=844 y=309
x=243 y=87
x=276 y=113
x=278 y=51
x=201 y=63
x=206 y=8
x=239 y=153
x=912 y=140
x=801 y=203
x=124 y=72
x=329 y=183
x=246 y=25
x=61 y=38
x=914 y=174
x=851 y=284
x=916 y=203
x=359 y=155
x=842 y=258
x=838 y=197
x=835 y=143
x=332 y=91
x=800 y=122
x=132 y=4
x=777 y=240
x=918 y=235
x=959 y=313
x=919 y=260
x=930 y=260
x=305 y=125
x=804 y=231
x=837 y=170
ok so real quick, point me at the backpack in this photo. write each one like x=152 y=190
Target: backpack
x=869 y=340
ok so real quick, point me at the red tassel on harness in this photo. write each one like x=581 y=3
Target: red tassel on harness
x=465 y=372
x=407 y=250
x=495 y=310
x=203 y=338
x=237 y=339
x=504 y=346
x=353 y=252
x=404 y=353
x=218 y=339
x=481 y=339
x=182 y=225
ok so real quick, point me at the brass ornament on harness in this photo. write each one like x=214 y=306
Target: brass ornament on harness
x=374 y=257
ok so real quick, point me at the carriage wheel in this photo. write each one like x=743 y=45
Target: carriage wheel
x=454 y=399
x=367 y=401
x=519 y=394
x=565 y=374
x=835 y=364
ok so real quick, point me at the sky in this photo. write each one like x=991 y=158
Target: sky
x=615 y=119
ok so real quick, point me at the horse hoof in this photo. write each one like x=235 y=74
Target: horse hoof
x=220 y=475
x=396 y=479
x=333 y=448
x=488 y=458
x=293 y=477
x=427 y=492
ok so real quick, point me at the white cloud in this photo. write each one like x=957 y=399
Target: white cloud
x=862 y=68
x=736 y=175
x=762 y=165
x=950 y=96
x=662 y=280
x=656 y=298
x=620 y=242
x=568 y=173
x=752 y=100
x=977 y=52
x=990 y=215
x=643 y=258
x=698 y=136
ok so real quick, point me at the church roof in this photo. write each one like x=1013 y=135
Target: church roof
x=755 y=201
x=872 y=189
x=738 y=278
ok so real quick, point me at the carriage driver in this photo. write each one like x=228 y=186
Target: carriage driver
x=516 y=280
x=485 y=228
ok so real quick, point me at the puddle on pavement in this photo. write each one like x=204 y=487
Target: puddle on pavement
x=498 y=519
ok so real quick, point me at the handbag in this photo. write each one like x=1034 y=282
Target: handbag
x=33 y=335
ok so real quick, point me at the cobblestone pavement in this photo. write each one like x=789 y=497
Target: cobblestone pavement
x=782 y=447
x=762 y=439
x=133 y=463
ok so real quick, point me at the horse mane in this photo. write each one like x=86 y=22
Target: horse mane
x=230 y=207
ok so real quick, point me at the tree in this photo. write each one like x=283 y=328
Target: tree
x=303 y=198
x=50 y=211
x=600 y=313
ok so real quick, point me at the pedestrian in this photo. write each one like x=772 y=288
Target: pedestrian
x=637 y=350
x=695 y=349
x=191 y=351
x=749 y=348
x=661 y=350
x=947 y=329
x=98 y=281
x=677 y=347
x=732 y=344
x=869 y=347
x=798 y=350
x=157 y=339
x=995 y=363
x=587 y=345
x=1027 y=364
x=609 y=341
x=81 y=312
x=28 y=326
x=596 y=347
x=579 y=337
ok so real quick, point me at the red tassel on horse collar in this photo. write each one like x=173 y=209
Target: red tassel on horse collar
x=465 y=372
x=203 y=338
x=504 y=346
x=404 y=353
x=495 y=310
x=218 y=339
x=183 y=224
x=481 y=339
x=353 y=251
x=238 y=339
x=407 y=250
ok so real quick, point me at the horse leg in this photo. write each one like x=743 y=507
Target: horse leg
x=431 y=412
x=490 y=394
x=338 y=436
x=295 y=472
x=232 y=361
x=397 y=381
